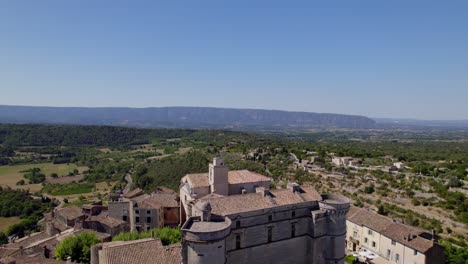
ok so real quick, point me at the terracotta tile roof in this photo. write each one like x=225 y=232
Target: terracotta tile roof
x=368 y=219
x=242 y=176
x=133 y=193
x=198 y=179
x=35 y=259
x=105 y=219
x=234 y=177
x=386 y=227
x=26 y=241
x=256 y=201
x=156 y=201
x=71 y=212
x=141 y=252
x=408 y=236
x=7 y=251
x=7 y=260
x=140 y=198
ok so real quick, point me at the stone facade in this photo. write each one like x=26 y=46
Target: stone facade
x=310 y=231
x=392 y=241
x=145 y=212
x=294 y=225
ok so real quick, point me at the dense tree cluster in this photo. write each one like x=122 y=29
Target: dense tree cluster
x=78 y=247
x=20 y=203
x=168 y=171
x=64 y=135
x=167 y=235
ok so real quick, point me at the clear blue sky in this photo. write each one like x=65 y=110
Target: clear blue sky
x=375 y=58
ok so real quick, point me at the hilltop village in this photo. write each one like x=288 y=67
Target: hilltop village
x=231 y=217
x=223 y=197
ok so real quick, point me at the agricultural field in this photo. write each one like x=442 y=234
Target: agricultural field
x=6 y=222
x=11 y=174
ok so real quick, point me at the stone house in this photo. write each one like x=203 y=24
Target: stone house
x=147 y=211
x=394 y=242
x=69 y=216
x=105 y=224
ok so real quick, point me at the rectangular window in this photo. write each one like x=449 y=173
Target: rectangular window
x=238 y=242
x=369 y=232
x=373 y=244
x=415 y=252
x=389 y=253
x=366 y=240
x=270 y=218
x=124 y=217
x=148 y=220
x=238 y=224
x=148 y=212
x=270 y=234
x=355 y=234
x=293 y=214
x=137 y=219
x=393 y=242
x=293 y=230
x=397 y=258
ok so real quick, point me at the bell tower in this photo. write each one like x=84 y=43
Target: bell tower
x=218 y=177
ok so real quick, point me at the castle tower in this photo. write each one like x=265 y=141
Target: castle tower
x=332 y=244
x=218 y=177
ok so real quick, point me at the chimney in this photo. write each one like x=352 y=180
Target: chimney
x=262 y=190
x=294 y=187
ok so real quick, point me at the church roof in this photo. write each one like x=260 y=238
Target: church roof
x=234 y=177
x=234 y=204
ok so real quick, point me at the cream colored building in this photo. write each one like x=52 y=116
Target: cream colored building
x=218 y=181
x=393 y=242
x=245 y=222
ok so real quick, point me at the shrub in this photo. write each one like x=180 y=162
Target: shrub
x=167 y=235
x=77 y=247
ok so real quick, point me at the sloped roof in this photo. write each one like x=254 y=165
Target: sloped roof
x=71 y=212
x=233 y=204
x=368 y=219
x=141 y=252
x=105 y=219
x=133 y=193
x=156 y=201
x=385 y=226
x=234 y=177
x=408 y=236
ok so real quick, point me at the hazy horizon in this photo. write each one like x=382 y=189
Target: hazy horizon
x=188 y=106
x=399 y=59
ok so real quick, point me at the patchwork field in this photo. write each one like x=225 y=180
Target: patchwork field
x=6 y=222
x=11 y=174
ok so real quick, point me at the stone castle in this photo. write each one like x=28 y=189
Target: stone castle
x=234 y=217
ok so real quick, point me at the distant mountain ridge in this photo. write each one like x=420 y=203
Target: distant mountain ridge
x=180 y=117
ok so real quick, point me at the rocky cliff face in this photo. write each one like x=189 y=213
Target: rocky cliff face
x=180 y=117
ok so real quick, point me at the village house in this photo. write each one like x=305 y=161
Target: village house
x=393 y=242
x=346 y=161
x=143 y=212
